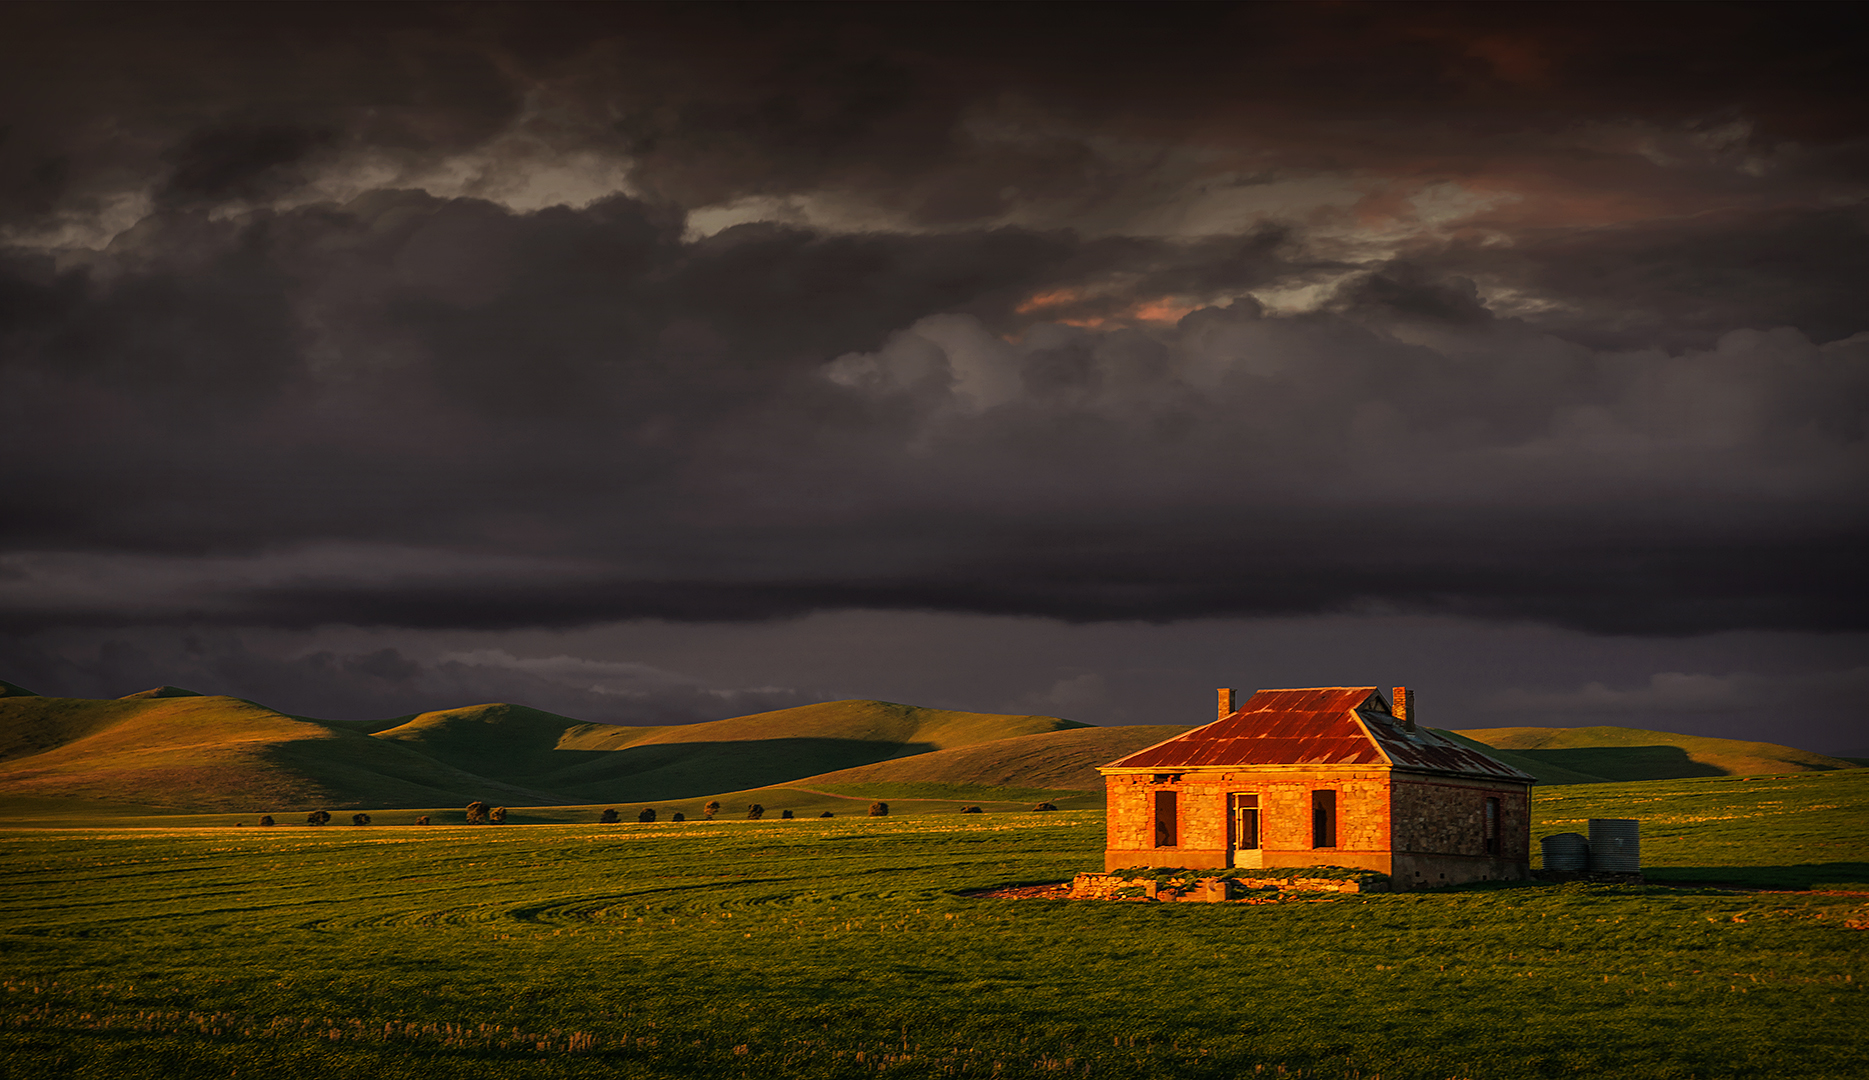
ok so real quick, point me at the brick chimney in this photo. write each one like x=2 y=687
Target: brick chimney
x=1405 y=708
x=1226 y=702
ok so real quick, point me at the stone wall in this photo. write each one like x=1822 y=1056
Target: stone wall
x=1363 y=815
x=1440 y=836
x=1422 y=830
x=1446 y=816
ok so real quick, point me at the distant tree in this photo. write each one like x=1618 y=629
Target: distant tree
x=423 y=820
x=647 y=815
x=317 y=817
x=608 y=817
x=879 y=809
x=755 y=812
x=827 y=813
x=1043 y=806
x=476 y=813
x=360 y=819
x=785 y=814
x=678 y=816
x=712 y=808
x=267 y=820
x=498 y=815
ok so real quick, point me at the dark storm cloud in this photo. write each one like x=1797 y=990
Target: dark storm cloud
x=305 y=379
x=1685 y=282
x=600 y=421
x=381 y=682
x=243 y=161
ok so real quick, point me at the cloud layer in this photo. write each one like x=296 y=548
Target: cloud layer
x=504 y=318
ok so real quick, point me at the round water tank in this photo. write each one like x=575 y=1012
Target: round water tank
x=1566 y=851
x=1616 y=845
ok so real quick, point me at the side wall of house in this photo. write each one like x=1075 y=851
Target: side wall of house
x=1440 y=831
x=1285 y=796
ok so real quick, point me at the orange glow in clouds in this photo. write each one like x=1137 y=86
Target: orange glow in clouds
x=1052 y=299
x=1098 y=311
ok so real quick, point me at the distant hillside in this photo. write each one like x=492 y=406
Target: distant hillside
x=583 y=762
x=1058 y=760
x=212 y=753
x=172 y=748
x=1596 y=755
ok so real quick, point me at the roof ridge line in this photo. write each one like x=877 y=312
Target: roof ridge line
x=1362 y=725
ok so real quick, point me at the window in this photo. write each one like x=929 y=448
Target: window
x=1323 y=819
x=1490 y=827
x=1166 y=832
x=1245 y=822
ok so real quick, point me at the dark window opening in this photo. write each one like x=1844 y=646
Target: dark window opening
x=1491 y=827
x=1166 y=831
x=1245 y=822
x=1323 y=819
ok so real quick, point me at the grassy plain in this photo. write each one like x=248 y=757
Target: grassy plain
x=841 y=948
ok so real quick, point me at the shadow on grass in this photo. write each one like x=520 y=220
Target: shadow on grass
x=1844 y=876
x=1855 y=875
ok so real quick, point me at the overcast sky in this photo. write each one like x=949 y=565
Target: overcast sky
x=657 y=364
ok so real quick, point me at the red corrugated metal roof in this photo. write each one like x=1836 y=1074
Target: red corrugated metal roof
x=1333 y=725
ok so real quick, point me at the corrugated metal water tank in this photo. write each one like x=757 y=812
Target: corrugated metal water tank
x=1566 y=851
x=1616 y=845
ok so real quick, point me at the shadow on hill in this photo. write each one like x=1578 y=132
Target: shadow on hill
x=1854 y=875
x=1617 y=764
x=378 y=772
x=681 y=770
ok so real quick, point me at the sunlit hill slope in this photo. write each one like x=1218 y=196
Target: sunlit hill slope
x=173 y=748
x=1595 y=755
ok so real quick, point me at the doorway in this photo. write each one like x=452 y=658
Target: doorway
x=1243 y=830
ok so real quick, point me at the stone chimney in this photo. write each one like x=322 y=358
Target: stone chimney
x=1405 y=708
x=1226 y=702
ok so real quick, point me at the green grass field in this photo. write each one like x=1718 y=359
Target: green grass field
x=834 y=948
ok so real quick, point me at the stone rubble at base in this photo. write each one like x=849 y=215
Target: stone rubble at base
x=1203 y=890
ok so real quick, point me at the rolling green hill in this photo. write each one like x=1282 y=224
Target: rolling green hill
x=583 y=762
x=213 y=753
x=1596 y=755
x=176 y=749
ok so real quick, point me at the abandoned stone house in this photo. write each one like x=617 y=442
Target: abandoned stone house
x=1329 y=776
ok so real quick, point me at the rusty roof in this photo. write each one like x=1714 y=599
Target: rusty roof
x=1328 y=725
